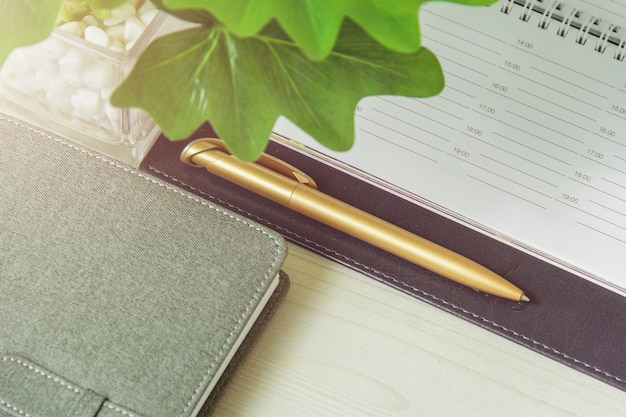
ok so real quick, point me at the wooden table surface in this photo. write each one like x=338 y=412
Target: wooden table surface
x=341 y=344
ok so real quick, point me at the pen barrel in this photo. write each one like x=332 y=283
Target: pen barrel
x=400 y=242
x=354 y=222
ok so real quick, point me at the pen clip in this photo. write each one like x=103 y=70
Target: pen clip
x=267 y=161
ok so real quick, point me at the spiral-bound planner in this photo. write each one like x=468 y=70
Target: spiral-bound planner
x=528 y=140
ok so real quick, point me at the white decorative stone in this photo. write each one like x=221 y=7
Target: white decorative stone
x=119 y=14
x=17 y=65
x=90 y=20
x=115 y=32
x=129 y=46
x=133 y=28
x=51 y=82
x=59 y=104
x=117 y=46
x=148 y=16
x=97 y=36
x=146 y=7
x=87 y=102
x=100 y=75
x=76 y=28
x=72 y=66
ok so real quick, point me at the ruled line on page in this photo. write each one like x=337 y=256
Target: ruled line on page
x=558 y=105
x=618 y=115
x=449 y=100
x=459 y=91
x=521 y=157
x=554 y=158
x=412 y=151
x=535 y=122
x=537 y=136
x=454 y=35
x=601 y=232
x=442 y=57
x=613 y=182
x=600 y=190
x=412 y=138
x=460 y=51
x=571 y=70
x=452 y=75
x=556 y=77
x=592 y=215
x=584 y=102
x=603 y=164
x=502 y=176
x=508 y=192
x=529 y=106
x=616 y=142
x=438 y=109
x=436 y=135
x=608 y=208
x=509 y=166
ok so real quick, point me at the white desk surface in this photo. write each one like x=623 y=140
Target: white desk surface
x=342 y=344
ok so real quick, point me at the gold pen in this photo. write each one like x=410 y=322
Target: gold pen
x=286 y=185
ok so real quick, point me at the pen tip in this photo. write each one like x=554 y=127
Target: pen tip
x=524 y=298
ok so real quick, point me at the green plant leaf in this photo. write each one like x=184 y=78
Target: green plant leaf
x=191 y=15
x=24 y=22
x=242 y=85
x=314 y=24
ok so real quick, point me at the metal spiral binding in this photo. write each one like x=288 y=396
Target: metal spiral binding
x=586 y=26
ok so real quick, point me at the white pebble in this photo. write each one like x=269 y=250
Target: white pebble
x=133 y=28
x=87 y=102
x=96 y=36
x=116 y=46
x=81 y=115
x=23 y=85
x=51 y=82
x=90 y=20
x=72 y=66
x=119 y=14
x=59 y=104
x=100 y=75
x=146 y=7
x=148 y=16
x=129 y=46
x=55 y=48
x=74 y=27
x=115 y=32
x=17 y=65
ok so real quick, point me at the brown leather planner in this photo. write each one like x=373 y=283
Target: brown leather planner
x=569 y=319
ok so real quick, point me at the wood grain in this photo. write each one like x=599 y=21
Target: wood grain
x=342 y=344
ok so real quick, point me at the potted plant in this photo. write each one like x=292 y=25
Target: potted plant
x=244 y=63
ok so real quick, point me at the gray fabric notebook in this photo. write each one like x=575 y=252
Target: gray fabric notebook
x=120 y=295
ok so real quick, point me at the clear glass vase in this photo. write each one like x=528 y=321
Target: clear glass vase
x=63 y=85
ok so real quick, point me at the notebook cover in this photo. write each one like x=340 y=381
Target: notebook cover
x=120 y=294
x=246 y=347
x=568 y=319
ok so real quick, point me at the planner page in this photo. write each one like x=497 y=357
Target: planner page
x=526 y=143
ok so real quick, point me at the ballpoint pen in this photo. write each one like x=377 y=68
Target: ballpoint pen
x=288 y=186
